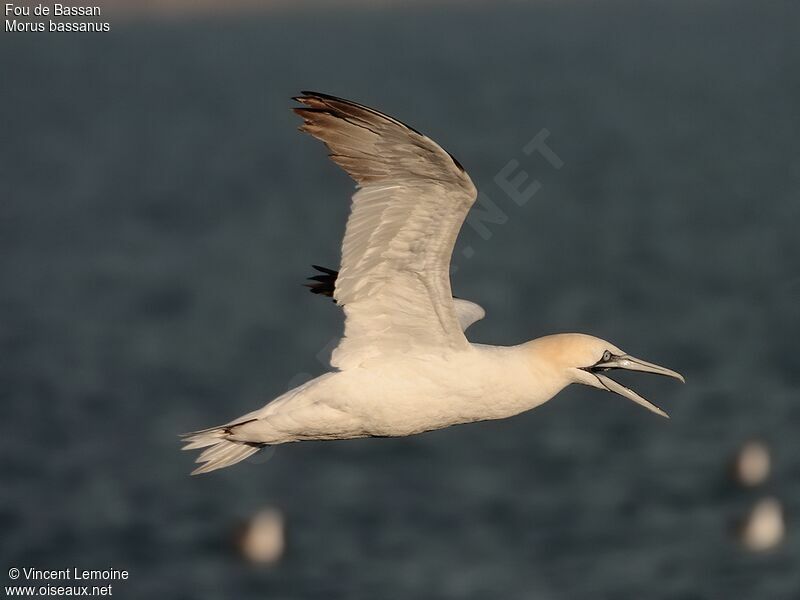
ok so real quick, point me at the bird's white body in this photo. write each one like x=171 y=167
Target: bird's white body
x=405 y=396
x=404 y=365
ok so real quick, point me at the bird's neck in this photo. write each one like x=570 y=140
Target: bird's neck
x=527 y=373
x=545 y=372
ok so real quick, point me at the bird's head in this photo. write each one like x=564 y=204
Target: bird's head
x=586 y=359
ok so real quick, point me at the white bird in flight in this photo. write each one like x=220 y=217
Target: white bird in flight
x=404 y=365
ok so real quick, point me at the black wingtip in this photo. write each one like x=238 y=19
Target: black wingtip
x=308 y=94
x=331 y=272
x=325 y=283
x=320 y=95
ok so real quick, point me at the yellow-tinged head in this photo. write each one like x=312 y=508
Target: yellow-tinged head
x=585 y=359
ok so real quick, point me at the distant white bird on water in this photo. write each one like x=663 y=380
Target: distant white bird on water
x=403 y=365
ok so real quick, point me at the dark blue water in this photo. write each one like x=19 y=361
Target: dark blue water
x=159 y=212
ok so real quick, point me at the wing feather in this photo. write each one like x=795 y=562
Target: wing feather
x=411 y=202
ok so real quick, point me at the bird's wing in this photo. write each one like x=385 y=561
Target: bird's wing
x=467 y=312
x=411 y=201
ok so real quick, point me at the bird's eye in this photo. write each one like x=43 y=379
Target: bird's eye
x=606 y=356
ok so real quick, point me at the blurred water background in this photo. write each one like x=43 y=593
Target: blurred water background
x=159 y=211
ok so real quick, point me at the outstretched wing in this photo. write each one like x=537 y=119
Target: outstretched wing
x=411 y=201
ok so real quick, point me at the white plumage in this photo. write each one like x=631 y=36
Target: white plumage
x=404 y=365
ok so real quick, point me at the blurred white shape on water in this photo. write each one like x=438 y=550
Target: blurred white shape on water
x=262 y=540
x=764 y=527
x=752 y=464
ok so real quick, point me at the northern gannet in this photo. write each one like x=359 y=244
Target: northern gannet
x=404 y=365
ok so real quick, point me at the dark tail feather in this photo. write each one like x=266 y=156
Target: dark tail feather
x=324 y=283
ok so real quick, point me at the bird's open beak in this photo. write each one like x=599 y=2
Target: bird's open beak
x=629 y=363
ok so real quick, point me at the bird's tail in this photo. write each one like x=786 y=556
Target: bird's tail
x=220 y=451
